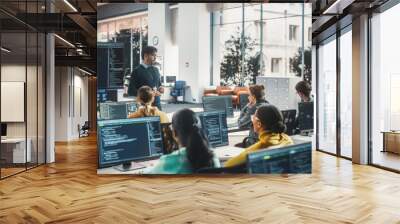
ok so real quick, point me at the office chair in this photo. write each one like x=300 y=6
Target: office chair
x=84 y=130
x=178 y=90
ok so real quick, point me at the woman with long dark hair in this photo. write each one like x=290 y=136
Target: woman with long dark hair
x=256 y=99
x=268 y=123
x=193 y=153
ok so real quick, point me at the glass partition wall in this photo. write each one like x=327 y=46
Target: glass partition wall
x=22 y=76
x=334 y=94
x=385 y=89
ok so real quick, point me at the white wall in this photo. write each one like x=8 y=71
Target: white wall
x=70 y=84
x=184 y=43
x=194 y=48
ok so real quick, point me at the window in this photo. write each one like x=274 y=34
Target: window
x=264 y=37
x=309 y=34
x=275 y=64
x=327 y=96
x=385 y=87
x=293 y=32
x=346 y=94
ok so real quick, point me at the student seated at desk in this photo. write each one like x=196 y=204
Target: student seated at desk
x=256 y=99
x=193 y=153
x=303 y=89
x=268 y=122
x=145 y=97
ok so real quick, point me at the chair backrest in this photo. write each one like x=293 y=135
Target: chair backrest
x=180 y=84
x=223 y=170
x=86 y=125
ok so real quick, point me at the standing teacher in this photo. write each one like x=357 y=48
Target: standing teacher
x=147 y=75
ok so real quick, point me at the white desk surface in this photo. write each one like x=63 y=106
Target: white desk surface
x=13 y=140
x=223 y=153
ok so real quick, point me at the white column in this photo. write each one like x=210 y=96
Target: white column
x=360 y=90
x=160 y=33
x=194 y=48
x=50 y=99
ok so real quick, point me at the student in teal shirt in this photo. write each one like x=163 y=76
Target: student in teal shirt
x=193 y=154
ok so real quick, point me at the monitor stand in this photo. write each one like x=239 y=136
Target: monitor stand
x=129 y=166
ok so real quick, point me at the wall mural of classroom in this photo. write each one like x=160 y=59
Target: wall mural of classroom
x=204 y=88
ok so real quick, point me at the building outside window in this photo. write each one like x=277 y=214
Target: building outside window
x=275 y=64
x=258 y=27
x=293 y=32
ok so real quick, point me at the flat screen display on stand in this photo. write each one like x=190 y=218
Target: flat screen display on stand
x=123 y=141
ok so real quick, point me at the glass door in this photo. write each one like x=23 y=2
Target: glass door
x=326 y=104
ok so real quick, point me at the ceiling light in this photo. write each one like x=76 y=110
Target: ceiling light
x=5 y=50
x=65 y=41
x=337 y=7
x=86 y=72
x=70 y=5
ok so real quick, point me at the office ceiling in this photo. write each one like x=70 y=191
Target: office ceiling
x=75 y=21
x=328 y=13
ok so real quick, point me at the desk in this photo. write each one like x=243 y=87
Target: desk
x=13 y=150
x=301 y=138
x=111 y=170
x=223 y=153
x=391 y=141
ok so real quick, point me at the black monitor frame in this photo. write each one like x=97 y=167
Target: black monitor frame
x=289 y=119
x=227 y=103
x=276 y=151
x=145 y=120
x=108 y=104
x=302 y=117
x=199 y=114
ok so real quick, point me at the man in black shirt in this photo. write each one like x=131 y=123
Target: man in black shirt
x=147 y=75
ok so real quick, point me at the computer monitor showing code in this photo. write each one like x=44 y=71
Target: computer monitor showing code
x=288 y=159
x=306 y=116
x=218 y=103
x=125 y=140
x=116 y=110
x=214 y=126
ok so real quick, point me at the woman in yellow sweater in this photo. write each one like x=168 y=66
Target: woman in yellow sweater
x=145 y=97
x=268 y=123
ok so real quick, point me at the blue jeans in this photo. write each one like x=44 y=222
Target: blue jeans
x=157 y=102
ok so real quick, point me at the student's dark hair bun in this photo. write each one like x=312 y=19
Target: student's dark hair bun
x=279 y=127
x=271 y=118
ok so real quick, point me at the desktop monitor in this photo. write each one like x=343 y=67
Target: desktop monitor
x=112 y=95
x=3 y=129
x=287 y=159
x=289 y=119
x=125 y=140
x=306 y=117
x=215 y=128
x=131 y=107
x=116 y=110
x=101 y=95
x=218 y=103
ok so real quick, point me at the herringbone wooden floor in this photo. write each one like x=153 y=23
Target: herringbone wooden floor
x=69 y=191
